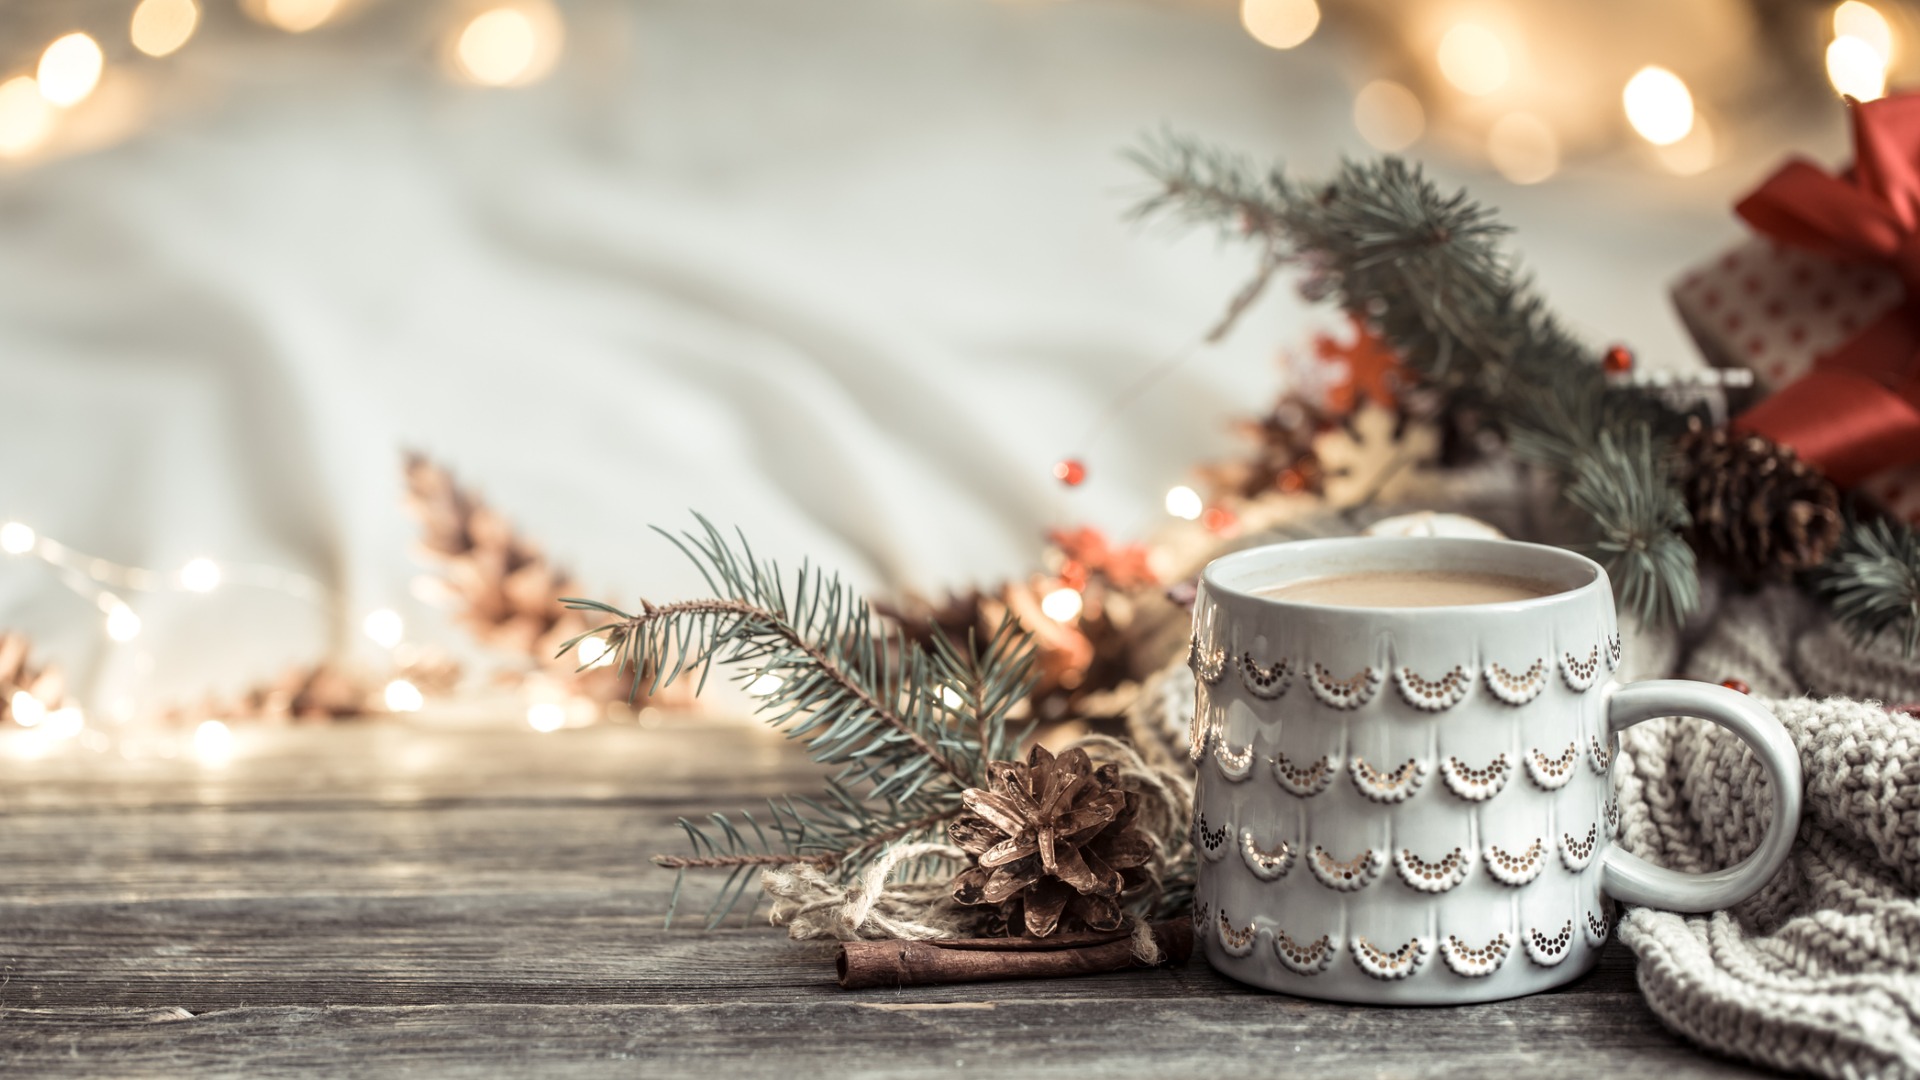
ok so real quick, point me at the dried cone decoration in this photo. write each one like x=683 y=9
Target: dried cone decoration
x=17 y=673
x=505 y=590
x=1056 y=843
x=1756 y=506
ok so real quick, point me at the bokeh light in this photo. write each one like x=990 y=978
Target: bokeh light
x=1280 y=24
x=69 y=70
x=200 y=575
x=1523 y=148
x=294 y=16
x=1659 y=105
x=161 y=27
x=508 y=46
x=1474 y=59
x=1863 y=21
x=1388 y=115
x=1856 y=69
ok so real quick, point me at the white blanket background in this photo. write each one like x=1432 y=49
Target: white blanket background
x=850 y=275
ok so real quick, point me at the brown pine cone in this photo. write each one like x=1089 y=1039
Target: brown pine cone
x=1056 y=843
x=1757 y=508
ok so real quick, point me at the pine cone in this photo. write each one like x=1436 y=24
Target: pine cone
x=1056 y=843
x=1757 y=508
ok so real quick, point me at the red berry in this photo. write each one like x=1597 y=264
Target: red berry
x=1070 y=471
x=1617 y=360
x=1219 y=519
x=1737 y=685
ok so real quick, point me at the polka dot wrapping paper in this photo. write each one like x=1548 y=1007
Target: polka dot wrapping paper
x=1773 y=309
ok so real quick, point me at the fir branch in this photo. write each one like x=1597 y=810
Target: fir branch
x=1873 y=582
x=1425 y=269
x=909 y=728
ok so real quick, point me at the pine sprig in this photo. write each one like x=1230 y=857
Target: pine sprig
x=1426 y=269
x=908 y=727
x=1873 y=582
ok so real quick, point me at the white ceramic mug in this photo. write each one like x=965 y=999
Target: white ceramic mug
x=1415 y=805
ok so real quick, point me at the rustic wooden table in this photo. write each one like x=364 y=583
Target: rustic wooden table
x=382 y=899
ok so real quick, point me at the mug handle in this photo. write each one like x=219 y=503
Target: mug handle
x=1629 y=878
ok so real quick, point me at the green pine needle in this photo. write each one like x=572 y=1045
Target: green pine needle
x=1873 y=582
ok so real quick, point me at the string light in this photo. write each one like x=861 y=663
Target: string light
x=1388 y=115
x=1659 y=105
x=384 y=626
x=1691 y=155
x=200 y=575
x=1857 y=20
x=213 y=742
x=27 y=710
x=951 y=698
x=1183 y=502
x=1856 y=69
x=403 y=696
x=595 y=653
x=1473 y=58
x=161 y=27
x=546 y=716
x=1280 y=24
x=65 y=723
x=1061 y=605
x=508 y=46
x=122 y=624
x=69 y=70
x=293 y=16
x=1523 y=148
x=765 y=685
x=25 y=117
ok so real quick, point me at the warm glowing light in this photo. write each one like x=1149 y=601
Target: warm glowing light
x=951 y=698
x=1523 y=148
x=403 y=696
x=546 y=716
x=122 y=623
x=1857 y=20
x=1388 y=115
x=25 y=117
x=65 y=723
x=765 y=685
x=27 y=709
x=504 y=47
x=1691 y=155
x=69 y=70
x=213 y=742
x=294 y=16
x=384 y=627
x=161 y=26
x=1184 y=502
x=16 y=538
x=1061 y=605
x=1473 y=59
x=1280 y=24
x=200 y=575
x=1659 y=105
x=594 y=652
x=1856 y=70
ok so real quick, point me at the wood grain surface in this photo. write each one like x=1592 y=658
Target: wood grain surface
x=391 y=900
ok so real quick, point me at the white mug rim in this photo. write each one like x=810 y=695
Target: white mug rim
x=1425 y=552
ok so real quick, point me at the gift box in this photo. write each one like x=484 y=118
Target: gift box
x=1823 y=307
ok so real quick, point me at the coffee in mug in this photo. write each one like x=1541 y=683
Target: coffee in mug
x=1410 y=588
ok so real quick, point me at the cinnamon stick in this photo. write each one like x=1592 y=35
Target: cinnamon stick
x=865 y=964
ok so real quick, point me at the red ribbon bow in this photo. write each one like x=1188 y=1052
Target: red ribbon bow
x=1857 y=411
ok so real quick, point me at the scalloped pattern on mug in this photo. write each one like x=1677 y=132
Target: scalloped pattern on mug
x=1396 y=786
x=1576 y=854
x=1613 y=816
x=1312 y=958
x=1265 y=683
x=1549 y=951
x=1235 y=765
x=1476 y=785
x=1596 y=927
x=1351 y=875
x=1433 y=877
x=1304 y=781
x=1200 y=913
x=1463 y=959
x=1209 y=842
x=1600 y=753
x=1434 y=695
x=1578 y=673
x=1200 y=728
x=1511 y=869
x=1552 y=773
x=1348 y=693
x=1397 y=964
x=1613 y=652
x=1267 y=865
x=1235 y=942
x=1517 y=689
x=1209 y=665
